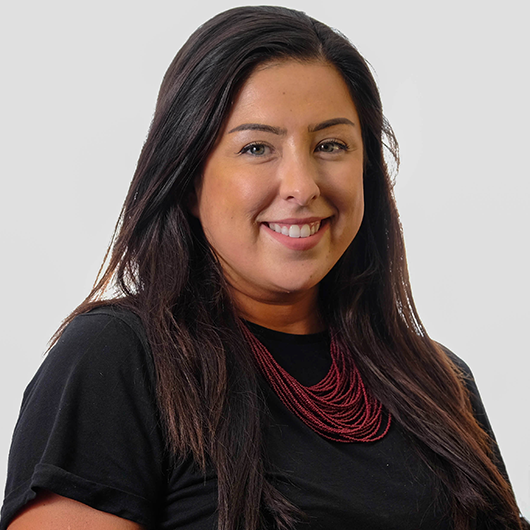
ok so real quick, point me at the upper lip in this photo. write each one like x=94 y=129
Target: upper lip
x=294 y=221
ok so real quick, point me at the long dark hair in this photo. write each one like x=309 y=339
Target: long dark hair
x=161 y=266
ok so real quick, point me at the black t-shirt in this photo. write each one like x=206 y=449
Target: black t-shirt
x=89 y=429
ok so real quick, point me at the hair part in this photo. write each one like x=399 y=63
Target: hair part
x=162 y=267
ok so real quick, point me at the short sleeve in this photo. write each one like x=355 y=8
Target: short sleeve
x=89 y=426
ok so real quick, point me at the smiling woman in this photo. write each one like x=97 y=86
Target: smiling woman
x=280 y=200
x=251 y=356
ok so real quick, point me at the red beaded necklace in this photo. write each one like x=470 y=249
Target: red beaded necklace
x=338 y=408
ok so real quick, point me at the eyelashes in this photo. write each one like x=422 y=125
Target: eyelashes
x=256 y=149
x=332 y=146
x=260 y=149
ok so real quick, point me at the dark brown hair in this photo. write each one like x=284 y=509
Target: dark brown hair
x=162 y=267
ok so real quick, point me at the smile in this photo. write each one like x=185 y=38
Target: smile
x=294 y=230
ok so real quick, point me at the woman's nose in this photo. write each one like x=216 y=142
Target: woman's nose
x=299 y=181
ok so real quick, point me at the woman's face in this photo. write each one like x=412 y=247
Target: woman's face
x=281 y=195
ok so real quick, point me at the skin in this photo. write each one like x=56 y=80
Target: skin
x=291 y=151
x=53 y=512
x=296 y=166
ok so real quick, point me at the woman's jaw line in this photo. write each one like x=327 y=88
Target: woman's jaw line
x=291 y=313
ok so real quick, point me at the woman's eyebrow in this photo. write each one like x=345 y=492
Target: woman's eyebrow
x=331 y=123
x=279 y=131
x=258 y=127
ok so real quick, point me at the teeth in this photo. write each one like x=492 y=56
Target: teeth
x=296 y=231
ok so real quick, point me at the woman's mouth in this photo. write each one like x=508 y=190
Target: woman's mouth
x=295 y=230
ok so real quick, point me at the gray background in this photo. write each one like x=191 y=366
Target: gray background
x=79 y=82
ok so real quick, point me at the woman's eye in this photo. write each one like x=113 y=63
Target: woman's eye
x=255 y=149
x=331 y=146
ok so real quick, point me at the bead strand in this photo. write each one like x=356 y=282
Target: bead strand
x=339 y=407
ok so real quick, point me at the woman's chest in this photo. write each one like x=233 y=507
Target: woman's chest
x=382 y=485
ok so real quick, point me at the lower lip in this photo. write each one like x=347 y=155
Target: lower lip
x=298 y=243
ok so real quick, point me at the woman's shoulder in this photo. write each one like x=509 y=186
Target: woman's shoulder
x=465 y=373
x=468 y=379
x=89 y=427
x=457 y=361
x=109 y=326
x=100 y=354
x=102 y=341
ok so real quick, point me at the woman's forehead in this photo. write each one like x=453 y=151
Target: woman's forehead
x=287 y=91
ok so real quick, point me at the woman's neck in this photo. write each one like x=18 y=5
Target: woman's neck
x=295 y=313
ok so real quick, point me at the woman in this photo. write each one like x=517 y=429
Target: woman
x=251 y=356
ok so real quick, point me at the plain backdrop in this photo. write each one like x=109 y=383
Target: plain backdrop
x=78 y=87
